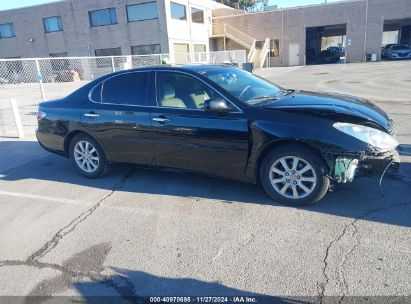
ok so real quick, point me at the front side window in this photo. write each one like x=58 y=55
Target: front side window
x=175 y=90
x=248 y=88
x=126 y=89
x=103 y=17
x=146 y=49
x=197 y=15
x=178 y=11
x=53 y=24
x=7 y=30
x=140 y=12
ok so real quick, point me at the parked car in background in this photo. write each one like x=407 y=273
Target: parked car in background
x=337 y=50
x=223 y=121
x=398 y=51
x=385 y=49
x=328 y=56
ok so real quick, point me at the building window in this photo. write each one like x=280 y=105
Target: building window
x=52 y=24
x=108 y=52
x=178 y=11
x=60 y=64
x=146 y=49
x=197 y=15
x=7 y=30
x=199 y=48
x=274 y=48
x=140 y=12
x=181 y=48
x=62 y=54
x=181 y=53
x=106 y=62
x=14 y=67
x=103 y=17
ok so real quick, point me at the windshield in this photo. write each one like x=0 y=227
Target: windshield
x=247 y=87
x=399 y=47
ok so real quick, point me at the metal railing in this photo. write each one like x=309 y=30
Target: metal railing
x=222 y=29
x=252 y=54
x=29 y=81
x=264 y=52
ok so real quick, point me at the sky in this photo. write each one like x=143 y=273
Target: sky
x=292 y=3
x=9 y=4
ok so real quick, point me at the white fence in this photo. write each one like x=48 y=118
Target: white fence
x=29 y=81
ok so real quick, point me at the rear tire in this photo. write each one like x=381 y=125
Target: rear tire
x=87 y=156
x=294 y=175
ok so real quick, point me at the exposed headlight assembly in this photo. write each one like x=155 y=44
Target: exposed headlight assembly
x=378 y=139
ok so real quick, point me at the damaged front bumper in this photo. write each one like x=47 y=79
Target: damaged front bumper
x=381 y=162
x=344 y=167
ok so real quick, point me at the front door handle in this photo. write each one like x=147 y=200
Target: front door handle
x=161 y=120
x=91 y=115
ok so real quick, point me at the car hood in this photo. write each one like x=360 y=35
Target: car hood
x=347 y=105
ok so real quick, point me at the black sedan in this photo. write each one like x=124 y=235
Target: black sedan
x=328 y=56
x=222 y=121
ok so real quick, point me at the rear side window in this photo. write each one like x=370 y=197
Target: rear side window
x=127 y=89
x=95 y=94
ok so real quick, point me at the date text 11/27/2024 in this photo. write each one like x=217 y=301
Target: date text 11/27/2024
x=236 y=299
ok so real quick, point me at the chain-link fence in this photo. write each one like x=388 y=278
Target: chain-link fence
x=29 y=81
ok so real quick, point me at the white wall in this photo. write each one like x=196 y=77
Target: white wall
x=390 y=37
x=180 y=31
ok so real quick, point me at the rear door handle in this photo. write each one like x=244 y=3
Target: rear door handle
x=161 y=120
x=91 y=115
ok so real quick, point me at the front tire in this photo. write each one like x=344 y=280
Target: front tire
x=294 y=175
x=87 y=156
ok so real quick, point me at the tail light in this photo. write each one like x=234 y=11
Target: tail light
x=40 y=115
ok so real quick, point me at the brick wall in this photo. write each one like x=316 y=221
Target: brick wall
x=289 y=25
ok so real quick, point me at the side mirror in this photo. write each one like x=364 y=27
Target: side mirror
x=217 y=105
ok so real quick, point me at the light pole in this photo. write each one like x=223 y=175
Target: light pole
x=190 y=46
x=365 y=31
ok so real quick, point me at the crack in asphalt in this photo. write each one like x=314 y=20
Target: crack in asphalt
x=53 y=242
x=323 y=286
x=345 y=257
x=125 y=289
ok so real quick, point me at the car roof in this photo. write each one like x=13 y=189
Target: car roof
x=196 y=68
x=192 y=67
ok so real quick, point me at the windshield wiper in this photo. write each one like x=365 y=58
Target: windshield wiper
x=261 y=99
x=287 y=91
x=275 y=96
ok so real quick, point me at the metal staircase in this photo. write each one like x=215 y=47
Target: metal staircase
x=255 y=55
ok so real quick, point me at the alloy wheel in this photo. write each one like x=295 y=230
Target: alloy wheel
x=86 y=156
x=292 y=177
